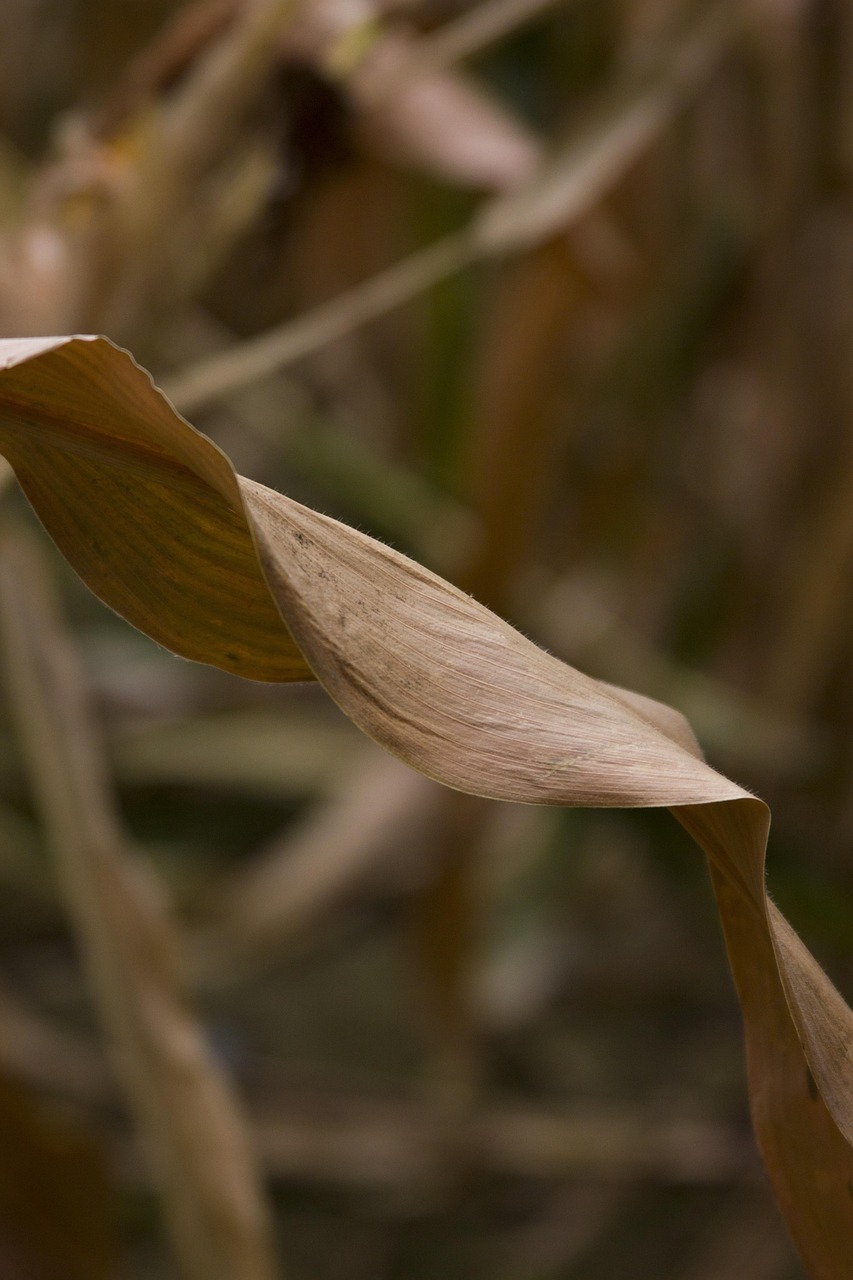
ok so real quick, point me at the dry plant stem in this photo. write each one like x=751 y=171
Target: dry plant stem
x=388 y=1143
x=224 y=83
x=817 y=602
x=171 y=52
x=567 y=187
x=512 y=420
x=811 y=348
x=799 y=404
x=446 y=920
x=35 y=1050
x=468 y=35
x=288 y=886
x=190 y=1122
x=843 y=138
x=514 y=413
x=195 y=26
x=220 y=375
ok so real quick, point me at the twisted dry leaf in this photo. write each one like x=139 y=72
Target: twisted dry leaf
x=225 y=571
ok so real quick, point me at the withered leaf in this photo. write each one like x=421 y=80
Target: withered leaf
x=221 y=569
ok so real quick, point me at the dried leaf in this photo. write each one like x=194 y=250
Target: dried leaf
x=192 y=491
x=123 y=484
x=410 y=106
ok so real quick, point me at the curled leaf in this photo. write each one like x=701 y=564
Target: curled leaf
x=224 y=570
x=184 y=567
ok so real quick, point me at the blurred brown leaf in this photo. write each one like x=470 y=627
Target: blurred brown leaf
x=439 y=121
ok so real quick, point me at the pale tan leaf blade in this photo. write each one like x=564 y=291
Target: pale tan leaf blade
x=800 y=1099
x=445 y=684
x=145 y=508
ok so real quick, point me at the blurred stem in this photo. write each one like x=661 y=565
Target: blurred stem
x=469 y=34
x=510 y=452
x=217 y=376
x=190 y=1121
x=805 y=388
x=515 y=406
x=446 y=920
